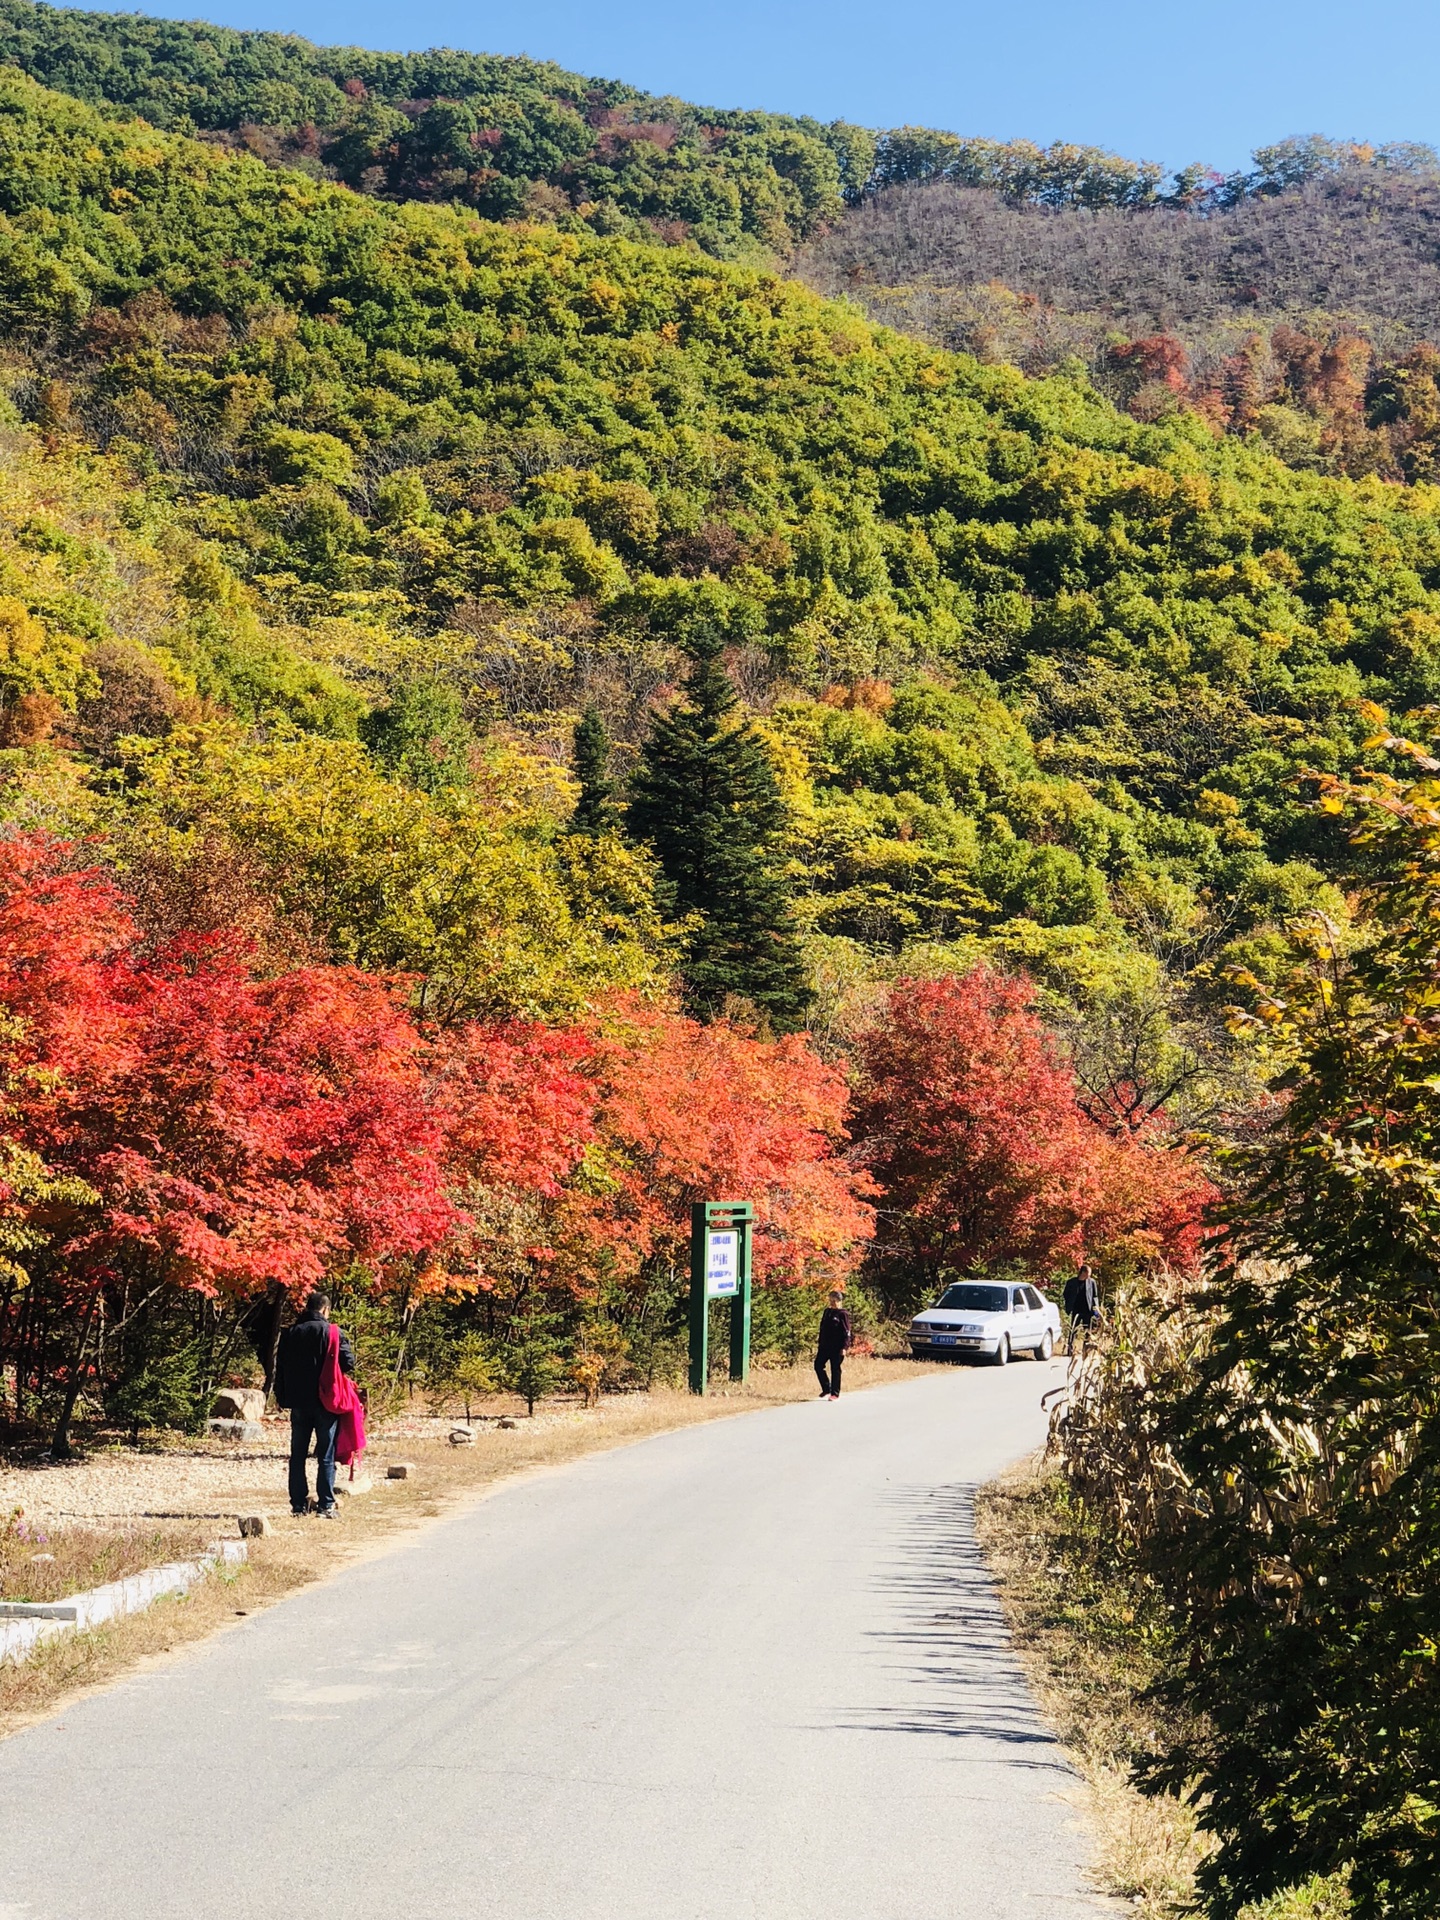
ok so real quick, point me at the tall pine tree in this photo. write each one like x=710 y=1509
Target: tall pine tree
x=595 y=811
x=705 y=797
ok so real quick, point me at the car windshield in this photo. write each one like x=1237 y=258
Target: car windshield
x=977 y=1299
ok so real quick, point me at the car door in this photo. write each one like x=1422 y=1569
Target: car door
x=1043 y=1316
x=1024 y=1321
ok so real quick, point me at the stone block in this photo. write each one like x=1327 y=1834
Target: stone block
x=399 y=1470
x=235 y=1429
x=239 y=1403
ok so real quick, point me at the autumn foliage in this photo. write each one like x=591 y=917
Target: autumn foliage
x=967 y=1118
x=178 y=1124
x=234 y=1130
x=593 y=1142
x=191 y=1126
x=690 y=1111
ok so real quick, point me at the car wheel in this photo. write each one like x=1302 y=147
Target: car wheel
x=1046 y=1346
x=1002 y=1352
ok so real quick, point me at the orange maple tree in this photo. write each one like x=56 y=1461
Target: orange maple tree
x=638 y=1114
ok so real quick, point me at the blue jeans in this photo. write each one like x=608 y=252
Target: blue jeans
x=305 y=1421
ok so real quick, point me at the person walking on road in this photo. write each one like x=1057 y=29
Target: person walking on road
x=835 y=1337
x=299 y=1363
x=1082 y=1305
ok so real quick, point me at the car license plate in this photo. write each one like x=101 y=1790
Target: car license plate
x=944 y=1339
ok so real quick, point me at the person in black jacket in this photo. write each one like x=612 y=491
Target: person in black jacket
x=830 y=1347
x=298 y=1361
x=1082 y=1303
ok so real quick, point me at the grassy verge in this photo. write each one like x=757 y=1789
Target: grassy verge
x=1091 y=1641
x=39 y=1563
x=297 y=1552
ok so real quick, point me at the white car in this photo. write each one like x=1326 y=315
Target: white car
x=986 y=1317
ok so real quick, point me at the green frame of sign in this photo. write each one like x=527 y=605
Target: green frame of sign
x=707 y=1217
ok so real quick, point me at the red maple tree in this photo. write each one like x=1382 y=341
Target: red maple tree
x=517 y=1100
x=966 y=1117
x=232 y=1132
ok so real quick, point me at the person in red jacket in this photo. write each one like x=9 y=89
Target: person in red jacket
x=835 y=1337
x=298 y=1364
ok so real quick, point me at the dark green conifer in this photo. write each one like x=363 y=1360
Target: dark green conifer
x=706 y=799
x=595 y=811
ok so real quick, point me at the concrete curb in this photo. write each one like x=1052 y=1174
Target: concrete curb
x=23 y=1623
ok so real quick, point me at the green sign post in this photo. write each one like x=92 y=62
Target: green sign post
x=719 y=1270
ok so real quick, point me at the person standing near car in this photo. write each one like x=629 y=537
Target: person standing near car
x=1082 y=1303
x=299 y=1361
x=835 y=1336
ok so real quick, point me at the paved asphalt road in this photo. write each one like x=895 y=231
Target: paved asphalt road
x=748 y=1671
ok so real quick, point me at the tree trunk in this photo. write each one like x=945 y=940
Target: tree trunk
x=272 y=1343
x=22 y=1356
x=60 y=1448
x=261 y=1322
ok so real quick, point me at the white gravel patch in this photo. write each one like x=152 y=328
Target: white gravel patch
x=121 y=1485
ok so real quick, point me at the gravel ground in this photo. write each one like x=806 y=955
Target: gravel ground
x=210 y=1480
x=124 y=1485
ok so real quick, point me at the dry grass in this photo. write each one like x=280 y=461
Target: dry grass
x=1089 y=1653
x=297 y=1552
x=41 y=1563
x=1091 y=1642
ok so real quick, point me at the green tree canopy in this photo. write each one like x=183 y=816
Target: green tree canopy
x=1296 y=1533
x=422 y=735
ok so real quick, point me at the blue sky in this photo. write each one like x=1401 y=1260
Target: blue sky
x=1165 y=84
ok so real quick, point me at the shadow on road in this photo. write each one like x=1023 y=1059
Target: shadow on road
x=946 y=1642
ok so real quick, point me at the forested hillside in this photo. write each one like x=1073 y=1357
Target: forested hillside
x=1353 y=239
x=1299 y=302
x=332 y=531
x=330 y=518
x=1294 y=300
x=1025 y=659
x=521 y=138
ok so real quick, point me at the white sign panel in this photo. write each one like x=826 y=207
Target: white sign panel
x=722 y=1265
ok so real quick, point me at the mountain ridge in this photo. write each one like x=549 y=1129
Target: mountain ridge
x=519 y=137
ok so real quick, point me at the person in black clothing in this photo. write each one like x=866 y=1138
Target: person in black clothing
x=830 y=1348
x=1082 y=1302
x=298 y=1361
